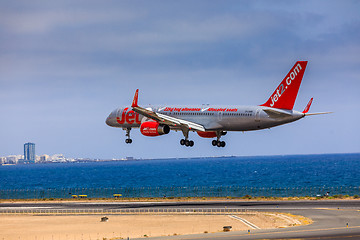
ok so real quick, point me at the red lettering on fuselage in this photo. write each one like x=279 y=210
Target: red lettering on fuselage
x=216 y=110
x=185 y=109
x=130 y=117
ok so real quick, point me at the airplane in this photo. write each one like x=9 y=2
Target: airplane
x=214 y=121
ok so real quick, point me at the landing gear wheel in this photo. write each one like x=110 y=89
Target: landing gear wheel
x=214 y=142
x=128 y=140
x=223 y=144
x=218 y=143
x=187 y=143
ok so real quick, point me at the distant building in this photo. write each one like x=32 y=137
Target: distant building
x=29 y=152
x=44 y=158
x=13 y=159
x=58 y=158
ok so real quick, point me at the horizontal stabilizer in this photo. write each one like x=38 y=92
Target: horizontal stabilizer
x=310 y=114
x=273 y=113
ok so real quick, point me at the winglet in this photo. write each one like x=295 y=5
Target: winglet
x=307 y=108
x=135 y=101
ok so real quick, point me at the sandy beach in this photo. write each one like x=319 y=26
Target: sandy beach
x=72 y=227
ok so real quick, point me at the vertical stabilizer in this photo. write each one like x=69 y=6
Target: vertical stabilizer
x=285 y=94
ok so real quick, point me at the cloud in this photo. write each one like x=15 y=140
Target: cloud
x=65 y=65
x=42 y=17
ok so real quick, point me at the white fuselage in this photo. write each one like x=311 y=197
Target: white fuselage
x=237 y=118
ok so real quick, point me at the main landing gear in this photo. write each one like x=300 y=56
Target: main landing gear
x=186 y=142
x=217 y=142
x=128 y=140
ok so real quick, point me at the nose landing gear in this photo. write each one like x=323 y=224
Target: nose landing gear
x=128 y=140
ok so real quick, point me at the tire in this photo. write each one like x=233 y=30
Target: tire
x=187 y=143
x=223 y=144
x=218 y=144
x=182 y=142
x=191 y=143
x=214 y=142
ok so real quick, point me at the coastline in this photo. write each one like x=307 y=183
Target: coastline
x=182 y=199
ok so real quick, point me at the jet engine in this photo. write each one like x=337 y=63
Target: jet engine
x=153 y=129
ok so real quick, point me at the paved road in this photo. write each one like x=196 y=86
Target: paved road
x=330 y=217
x=251 y=205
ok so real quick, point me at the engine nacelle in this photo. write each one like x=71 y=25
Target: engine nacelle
x=153 y=129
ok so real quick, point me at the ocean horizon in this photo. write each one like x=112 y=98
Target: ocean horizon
x=316 y=170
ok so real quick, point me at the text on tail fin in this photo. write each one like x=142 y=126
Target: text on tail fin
x=285 y=94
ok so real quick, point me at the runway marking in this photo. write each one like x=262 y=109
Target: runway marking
x=332 y=209
x=336 y=237
x=286 y=218
x=267 y=233
x=246 y=222
x=335 y=209
x=22 y=208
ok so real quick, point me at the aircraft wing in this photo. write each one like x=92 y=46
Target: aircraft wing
x=183 y=123
x=165 y=119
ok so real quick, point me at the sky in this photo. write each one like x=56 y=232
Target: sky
x=65 y=65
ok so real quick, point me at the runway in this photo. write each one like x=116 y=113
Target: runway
x=332 y=219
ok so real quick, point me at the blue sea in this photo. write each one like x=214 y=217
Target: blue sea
x=270 y=172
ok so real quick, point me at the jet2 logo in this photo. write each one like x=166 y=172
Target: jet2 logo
x=128 y=117
x=281 y=89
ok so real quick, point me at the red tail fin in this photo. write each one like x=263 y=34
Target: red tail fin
x=285 y=94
